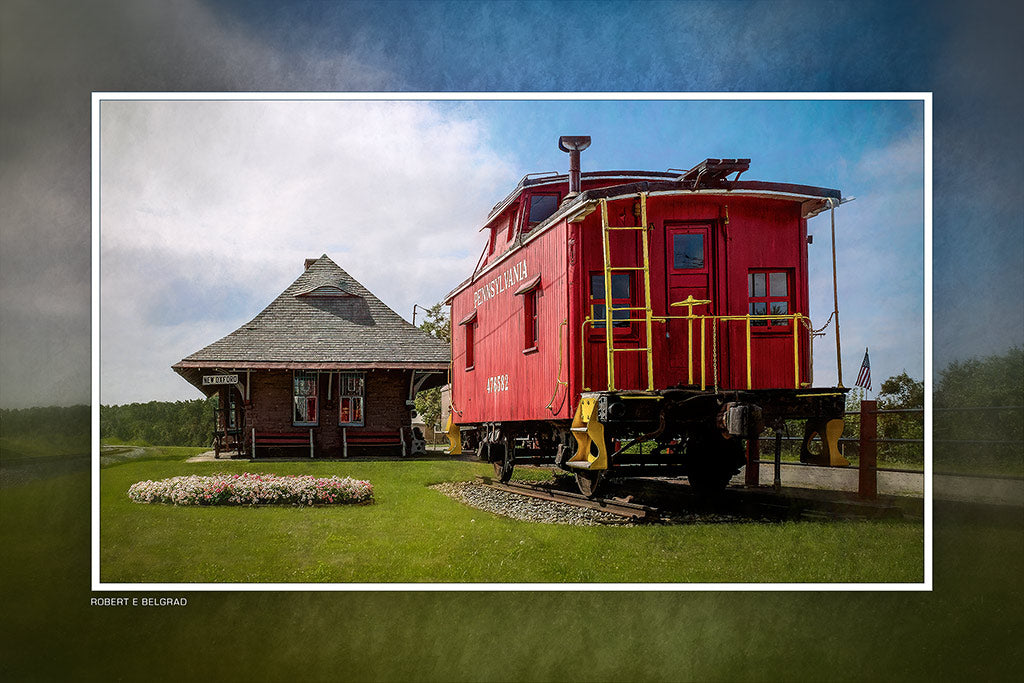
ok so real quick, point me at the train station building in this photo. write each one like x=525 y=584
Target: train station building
x=325 y=370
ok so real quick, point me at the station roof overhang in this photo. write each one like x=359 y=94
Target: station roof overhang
x=193 y=371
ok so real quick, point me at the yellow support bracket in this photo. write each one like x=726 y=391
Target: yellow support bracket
x=833 y=430
x=588 y=431
x=828 y=431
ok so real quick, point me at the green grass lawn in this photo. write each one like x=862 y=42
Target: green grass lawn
x=414 y=534
x=966 y=629
x=15 y=447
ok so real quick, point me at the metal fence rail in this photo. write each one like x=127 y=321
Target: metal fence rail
x=868 y=441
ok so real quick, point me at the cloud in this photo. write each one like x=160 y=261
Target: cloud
x=880 y=265
x=209 y=209
x=51 y=56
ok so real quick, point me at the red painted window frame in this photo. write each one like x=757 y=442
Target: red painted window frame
x=528 y=207
x=314 y=397
x=769 y=326
x=531 y=334
x=470 y=341
x=627 y=331
x=343 y=396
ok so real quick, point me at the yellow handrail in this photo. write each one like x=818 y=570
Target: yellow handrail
x=558 y=376
x=794 y=318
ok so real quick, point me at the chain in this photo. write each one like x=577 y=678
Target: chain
x=820 y=332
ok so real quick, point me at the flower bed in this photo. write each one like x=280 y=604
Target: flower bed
x=252 y=489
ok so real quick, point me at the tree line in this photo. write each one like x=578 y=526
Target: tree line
x=979 y=422
x=160 y=423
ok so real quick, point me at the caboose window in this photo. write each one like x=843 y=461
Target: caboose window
x=304 y=398
x=469 y=324
x=769 y=293
x=470 y=327
x=620 y=298
x=530 y=317
x=541 y=207
x=492 y=240
x=688 y=251
x=351 y=390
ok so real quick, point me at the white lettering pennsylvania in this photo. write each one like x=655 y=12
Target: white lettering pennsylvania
x=504 y=280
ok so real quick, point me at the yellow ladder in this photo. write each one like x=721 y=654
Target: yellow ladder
x=609 y=332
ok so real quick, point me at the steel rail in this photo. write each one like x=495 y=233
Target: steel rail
x=616 y=507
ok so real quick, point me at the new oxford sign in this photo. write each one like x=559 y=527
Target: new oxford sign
x=219 y=379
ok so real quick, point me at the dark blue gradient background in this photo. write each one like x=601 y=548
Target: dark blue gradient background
x=53 y=54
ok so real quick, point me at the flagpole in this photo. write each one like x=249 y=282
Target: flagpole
x=835 y=293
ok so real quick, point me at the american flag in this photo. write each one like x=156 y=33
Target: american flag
x=864 y=376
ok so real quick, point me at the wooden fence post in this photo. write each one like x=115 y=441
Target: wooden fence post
x=868 y=486
x=752 y=477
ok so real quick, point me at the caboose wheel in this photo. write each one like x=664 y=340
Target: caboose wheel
x=501 y=457
x=589 y=482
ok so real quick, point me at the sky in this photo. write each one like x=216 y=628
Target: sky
x=54 y=54
x=208 y=208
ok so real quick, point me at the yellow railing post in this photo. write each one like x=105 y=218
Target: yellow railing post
x=796 y=351
x=689 y=346
x=609 y=333
x=750 y=383
x=647 y=291
x=702 y=364
x=583 y=353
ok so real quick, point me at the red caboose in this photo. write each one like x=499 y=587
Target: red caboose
x=628 y=323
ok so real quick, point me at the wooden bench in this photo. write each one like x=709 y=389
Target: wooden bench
x=361 y=437
x=227 y=440
x=282 y=440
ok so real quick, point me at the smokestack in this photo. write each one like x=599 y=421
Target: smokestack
x=574 y=144
x=308 y=262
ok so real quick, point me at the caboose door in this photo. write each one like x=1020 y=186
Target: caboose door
x=689 y=272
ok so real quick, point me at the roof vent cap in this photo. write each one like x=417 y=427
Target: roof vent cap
x=574 y=144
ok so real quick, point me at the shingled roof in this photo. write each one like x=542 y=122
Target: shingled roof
x=325 y=320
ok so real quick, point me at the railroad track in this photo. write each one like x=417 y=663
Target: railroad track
x=672 y=501
x=615 y=506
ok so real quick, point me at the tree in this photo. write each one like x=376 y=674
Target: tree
x=979 y=422
x=437 y=323
x=901 y=392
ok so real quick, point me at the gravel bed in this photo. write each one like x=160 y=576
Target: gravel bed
x=525 y=508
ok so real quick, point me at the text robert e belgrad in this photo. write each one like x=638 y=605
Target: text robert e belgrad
x=138 y=602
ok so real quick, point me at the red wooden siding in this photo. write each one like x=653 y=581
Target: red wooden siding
x=739 y=234
x=508 y=378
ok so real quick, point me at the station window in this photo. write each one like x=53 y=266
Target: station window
x=351 y=391
x=304 y=398
x=541 y=207
x=621 y=297
x=769 y=293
